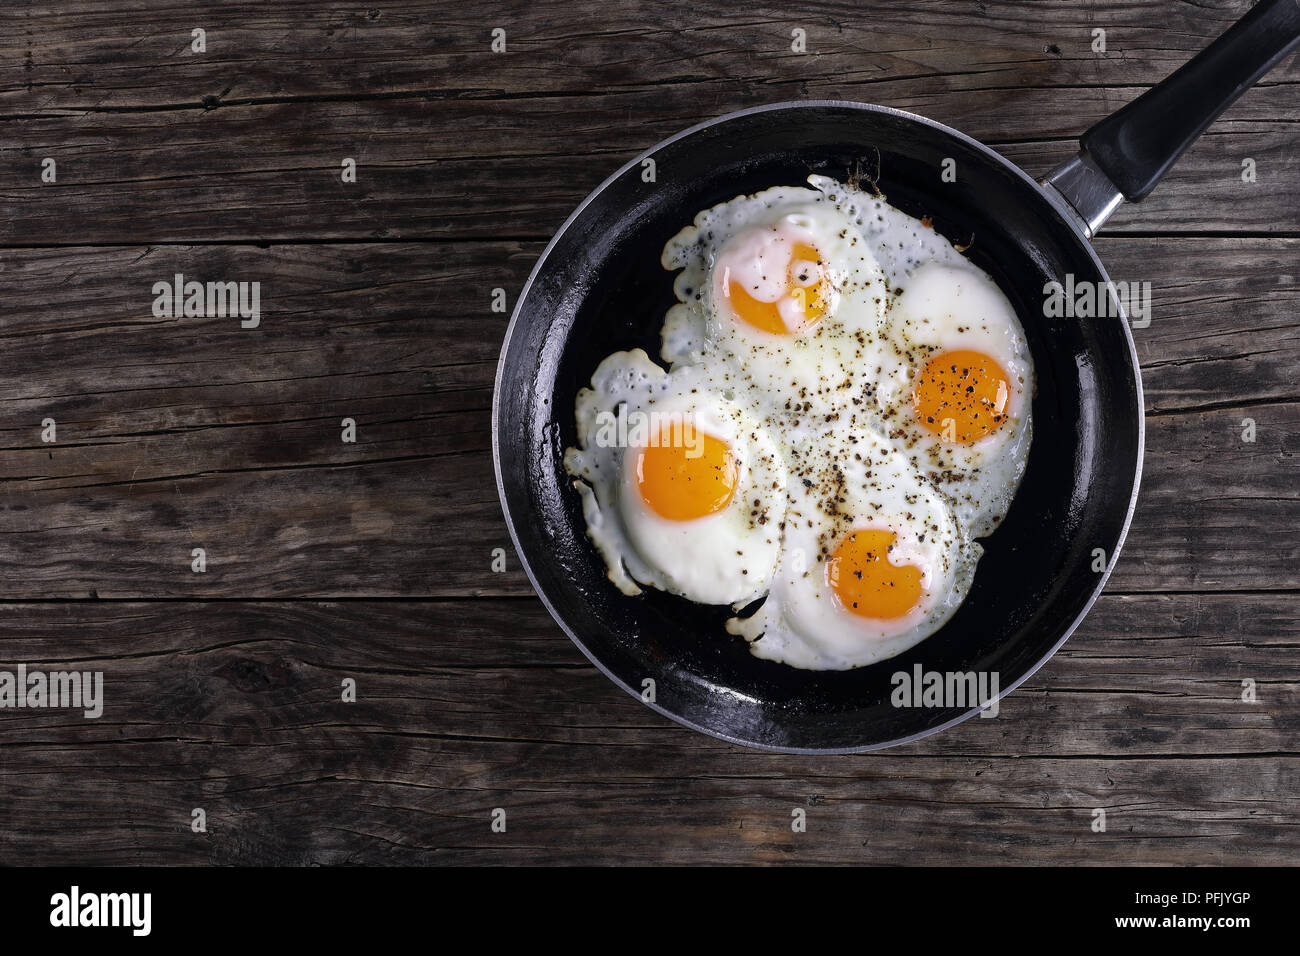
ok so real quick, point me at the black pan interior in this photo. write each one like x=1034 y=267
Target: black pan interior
x=601 y=288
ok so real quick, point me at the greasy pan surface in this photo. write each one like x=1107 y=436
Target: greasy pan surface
x=599 y=288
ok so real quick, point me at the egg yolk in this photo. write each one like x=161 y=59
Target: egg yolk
x=806 y=283
x=961 y=396
x=866 y=583
x=684 y=480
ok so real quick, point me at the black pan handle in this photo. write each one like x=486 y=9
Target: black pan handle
x=1136 y=146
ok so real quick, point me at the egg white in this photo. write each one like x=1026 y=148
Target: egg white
x=862 y=484
x=815 y=364
x=722 y=558
x=821 y=419
x=945 y=308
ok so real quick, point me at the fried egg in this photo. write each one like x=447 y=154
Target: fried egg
x=680 y=489
x=872 y=561
x=955 y=388
x=857 y=398
x=781 y=292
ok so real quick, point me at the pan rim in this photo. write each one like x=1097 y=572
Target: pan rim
x=1071 y=222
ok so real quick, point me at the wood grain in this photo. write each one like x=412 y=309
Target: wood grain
x=465 y=706
x=183 y=433
x=372 y=560
x=155 y=143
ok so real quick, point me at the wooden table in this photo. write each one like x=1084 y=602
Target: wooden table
x=372 y=561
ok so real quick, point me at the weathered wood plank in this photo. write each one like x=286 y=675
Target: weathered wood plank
x=467 y=706
x=176 y=434
x=173 y=437
x=1221 y=328
x=180 y=434
x=455 y=170
x=81 y=56
x=156 y=143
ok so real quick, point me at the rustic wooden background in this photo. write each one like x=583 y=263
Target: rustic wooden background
x=373 y=560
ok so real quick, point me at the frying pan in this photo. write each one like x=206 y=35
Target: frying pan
x=598 y=288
